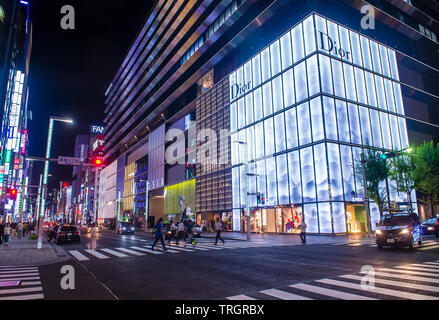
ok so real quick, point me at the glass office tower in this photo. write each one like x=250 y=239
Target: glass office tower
x=306 y=106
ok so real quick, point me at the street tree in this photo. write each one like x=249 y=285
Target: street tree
x=426 y=172
x=376 y=172
x=402 y=171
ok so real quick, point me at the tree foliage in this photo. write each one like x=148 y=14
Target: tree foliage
x=376 y=171
x=426 y=171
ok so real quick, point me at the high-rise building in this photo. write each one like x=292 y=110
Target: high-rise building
x=15 y=52
x=296 y=88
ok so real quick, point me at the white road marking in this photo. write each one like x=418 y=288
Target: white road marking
x=24 y=297
x=79 y=256
x=115 y=253
x=19 y=275
x=405 y=277
x=283 y=295
x=20 y=290
x=31 y=283
x=410 y=272
x=330 y=292
x=97 y=254
x=408 y=285
x=388 y=292
x=131 y=251
x=240 y=297
x=416 y=268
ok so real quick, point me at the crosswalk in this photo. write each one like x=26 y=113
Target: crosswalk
x=20 y=283
x=426 y=244
x=144 y=249
x=417 y=281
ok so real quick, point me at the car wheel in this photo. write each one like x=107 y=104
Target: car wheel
x=437 y=233
x=380 y=246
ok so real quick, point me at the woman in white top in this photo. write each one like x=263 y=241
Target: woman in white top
x=7 y=234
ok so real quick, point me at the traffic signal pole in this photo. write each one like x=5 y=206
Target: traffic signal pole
x=366 y=197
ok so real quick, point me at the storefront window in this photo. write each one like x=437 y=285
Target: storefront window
x=356 y=218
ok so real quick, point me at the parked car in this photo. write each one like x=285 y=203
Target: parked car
x=86 y=228
x=67 y=233
x=401 y=229
x=125 y=228
x=431 y=226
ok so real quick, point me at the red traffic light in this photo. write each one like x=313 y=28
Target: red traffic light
x=65 y=184
x=97 y=162
x=13 y=194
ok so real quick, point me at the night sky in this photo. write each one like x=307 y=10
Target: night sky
x=70 y=70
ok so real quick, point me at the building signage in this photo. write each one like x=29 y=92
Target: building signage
x=69 y=161
x=331 y=46
x=97 y=129
x=240 y=89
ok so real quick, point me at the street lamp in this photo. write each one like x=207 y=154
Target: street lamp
x=45 y=174
x=247 y=182
x=146 y=202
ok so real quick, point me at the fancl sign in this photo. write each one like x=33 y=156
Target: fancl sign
x=326 y=43
x=97 y=129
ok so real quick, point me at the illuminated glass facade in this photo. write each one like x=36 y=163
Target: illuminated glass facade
x=305 y=106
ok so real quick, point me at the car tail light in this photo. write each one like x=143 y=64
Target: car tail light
x=62 y=234
x=437 y=222
x=77 y=233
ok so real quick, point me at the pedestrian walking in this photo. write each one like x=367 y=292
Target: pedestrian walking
x=180 y=232
x=20 y=230
x=218 y=228
x=158 y=233
x=51 y=233
x=2 y=232
x=203 y=226
x=173 y=230
x=24 y=228
x=93 y=235
x=6 y=235
x=190 y=234
x=15 y=230
x=303 y=227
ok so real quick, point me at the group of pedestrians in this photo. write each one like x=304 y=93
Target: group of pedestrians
x=179 y=231
x=14 y=230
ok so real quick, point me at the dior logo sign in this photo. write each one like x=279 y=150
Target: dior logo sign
x=329 y=45
x=240 y=89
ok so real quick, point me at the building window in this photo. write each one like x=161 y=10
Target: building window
x=428 y=33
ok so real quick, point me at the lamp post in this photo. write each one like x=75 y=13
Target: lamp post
x=45 y=174
x=247 y=182
x=146 y=202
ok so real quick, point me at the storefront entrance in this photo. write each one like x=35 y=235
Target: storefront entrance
x=274 y=220
x=356 y=218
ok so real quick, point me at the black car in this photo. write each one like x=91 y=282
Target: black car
x=125 y=228
x=67 y=233
x=431 y=226
x=401 y=229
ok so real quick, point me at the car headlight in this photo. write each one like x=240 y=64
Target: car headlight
x=379 y=231
x=132 y=228
x=404 y=231
x=430 y=228
x=124 y=229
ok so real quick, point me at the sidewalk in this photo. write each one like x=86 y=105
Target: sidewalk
x=278 y=238
x=283 y=238
x=23 y=252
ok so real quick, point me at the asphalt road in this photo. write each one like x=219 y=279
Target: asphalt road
x=124 y=268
